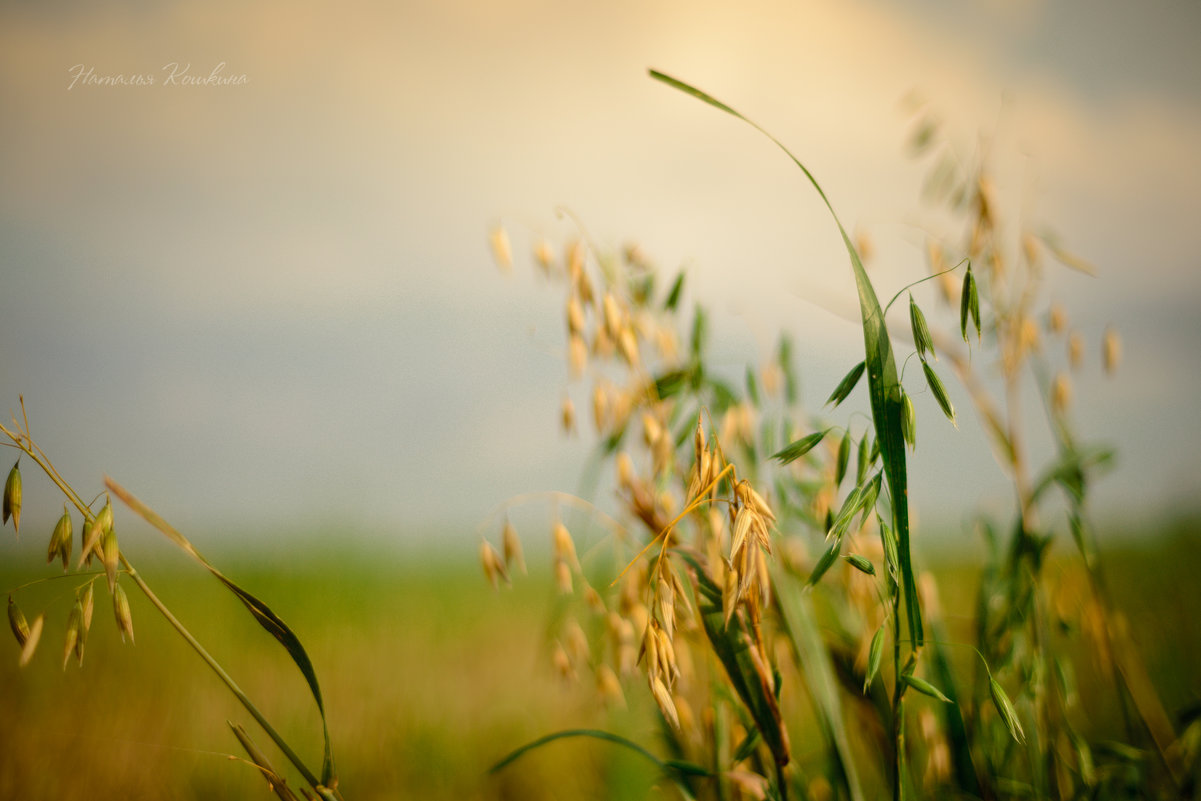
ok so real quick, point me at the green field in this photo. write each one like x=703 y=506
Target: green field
x=429 y=678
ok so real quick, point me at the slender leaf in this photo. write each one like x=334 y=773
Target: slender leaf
x=673 y=297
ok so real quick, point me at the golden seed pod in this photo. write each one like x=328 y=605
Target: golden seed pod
x=121 y=609
x=544 y=256
x=502 y=253
x=575 y=315
x=625 y=470
x=600 y=408
x=31 y=642
x=563 y=577
x=511 y=544
x=12 y=497
x=16 y=619
x=60 y=540
x=567 y=415
x=1111 y=350
x=494 y=568
x=577 y=355
x=608 y=687
x=564 y=546
x=110 y=554
x=666 y=705
x=562 y=663
x=1061 y=393
x=1057 y=320
x=1076 y=350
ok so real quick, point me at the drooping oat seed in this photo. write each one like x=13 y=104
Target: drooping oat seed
x=575 y=316
x=1005 y=708
x=1111 y=350
x=577 y=355
x=511 y=545
x=567 y=415
x=16 y=620
x=494 y=568
x=666 y=705
x=544 y=256
x=609 y=687
x=12 y=497
x=31 y=642
x=72 y=635
x=502 y=253
x=563 y=577
x=562 y=663
x=1061 y=393
x=1076 y=350
x=60 y=540
x=110 y=555
x=1057 y=319
x=121 y=610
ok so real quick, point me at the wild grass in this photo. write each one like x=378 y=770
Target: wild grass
x=790 y=642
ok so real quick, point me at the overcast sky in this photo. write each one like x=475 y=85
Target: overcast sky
x=271 y=303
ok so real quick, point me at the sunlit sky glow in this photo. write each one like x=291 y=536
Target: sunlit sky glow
x=272 y=304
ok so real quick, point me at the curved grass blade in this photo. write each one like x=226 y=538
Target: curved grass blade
x=883 y=384
x=676 y=768
x=261 y=612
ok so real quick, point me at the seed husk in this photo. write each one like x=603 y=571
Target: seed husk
x=846 y=385
x=844 y=457
x=494 y=568
x=925 y=688
x=875 y=653
x=940 y=393
x=110 y=553
x=502 y=252
x=860 y=563
x=1111 y=350
x=31 y=642
x=60 y=540
x=16 y=619
x=799 y=448
x=121 y=609
x=1005 y=708
x=74 y=621
x=512 y=547
x=12 y=497
x=908 y=420
x=921 y=331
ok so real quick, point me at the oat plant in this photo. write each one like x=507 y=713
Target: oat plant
x=759 y=581
x=101 y=557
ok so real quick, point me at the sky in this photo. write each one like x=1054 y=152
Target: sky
x=268 y=304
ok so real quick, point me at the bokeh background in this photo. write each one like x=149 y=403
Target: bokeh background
x=269 y=308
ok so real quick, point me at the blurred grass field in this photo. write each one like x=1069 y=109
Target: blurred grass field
x=429 y=676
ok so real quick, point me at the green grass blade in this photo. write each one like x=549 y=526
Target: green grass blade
x=800 y=621
x=261 y=612
x=677 y=767
x=883 y=384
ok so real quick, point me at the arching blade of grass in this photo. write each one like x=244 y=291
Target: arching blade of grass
x=883 y=384
x=265 y=617
x=678 y=770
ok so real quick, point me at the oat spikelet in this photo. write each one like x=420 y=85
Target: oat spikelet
x=1061 y=393
x=494 y=568
x=502 y=253
x=511 y=544
x=666 y=705
x=1111 y=350
x=609 y=687
x=1075 y=350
